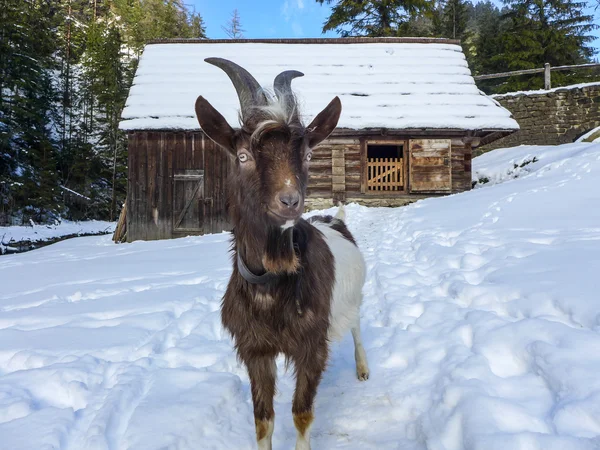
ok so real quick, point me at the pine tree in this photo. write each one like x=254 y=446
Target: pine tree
x=27 y=163
x=489 y=28
x=372 y=17
x=197 y=28
x=234 y=27
x=73 y=17
x=418 y=24
x=544 y=31
x=143 y=21
x=65 y=69
x=452 y=20
x=106 y=90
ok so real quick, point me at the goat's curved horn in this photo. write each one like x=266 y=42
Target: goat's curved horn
x=283 y=89
x=248 y=90
x=283 y=82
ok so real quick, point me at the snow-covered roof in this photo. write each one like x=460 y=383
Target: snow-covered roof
x=393 y=83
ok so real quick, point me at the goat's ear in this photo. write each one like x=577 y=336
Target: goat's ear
x=214 y=125
x=325 y=122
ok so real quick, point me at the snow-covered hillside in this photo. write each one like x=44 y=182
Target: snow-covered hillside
x=481 y=321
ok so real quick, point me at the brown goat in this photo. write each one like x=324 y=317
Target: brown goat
x=296 y=284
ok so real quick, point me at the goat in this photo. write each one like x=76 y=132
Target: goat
x=296 y=284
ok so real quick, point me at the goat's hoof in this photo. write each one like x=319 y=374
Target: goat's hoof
x=362 y=374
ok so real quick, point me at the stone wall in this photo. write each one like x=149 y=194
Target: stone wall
x=312 y=203
x=552 y=117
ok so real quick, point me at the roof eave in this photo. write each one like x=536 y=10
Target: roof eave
x=482 y=133
x=346 y=40
x=426 y=130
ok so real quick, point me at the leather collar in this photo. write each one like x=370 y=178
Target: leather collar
x=266 y=277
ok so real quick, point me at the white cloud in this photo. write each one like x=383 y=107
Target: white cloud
x=285 y=10
x=297 y=29
x=290 y=8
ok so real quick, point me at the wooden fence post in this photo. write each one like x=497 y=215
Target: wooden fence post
x=547 y=69
x=547 y=80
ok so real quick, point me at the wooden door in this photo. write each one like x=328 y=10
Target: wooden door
x=188 y=201
x=430 y=165
x=385 y=174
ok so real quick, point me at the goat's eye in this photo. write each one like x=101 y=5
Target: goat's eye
x=308 y=156
x=243 y=157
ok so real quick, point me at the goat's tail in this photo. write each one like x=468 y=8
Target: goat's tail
x=341 y=213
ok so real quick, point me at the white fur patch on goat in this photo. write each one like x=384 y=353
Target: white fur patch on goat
x=278 y=111
x=287 y=224
x=350 y=271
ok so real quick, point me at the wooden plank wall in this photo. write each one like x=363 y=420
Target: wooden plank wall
x=153 y=158
x=461 y=166
x=322 y=170
x=218 y=171
x=335 y=168
x=354 y=168
x=319 y=177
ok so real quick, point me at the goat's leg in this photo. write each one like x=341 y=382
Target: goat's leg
x=309 y=369
x=263 y=372
x=360 y=356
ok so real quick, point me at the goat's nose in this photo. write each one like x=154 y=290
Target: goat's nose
x=290 y=198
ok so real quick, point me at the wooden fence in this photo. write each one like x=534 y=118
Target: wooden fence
x=547 y=70
x=385 y=174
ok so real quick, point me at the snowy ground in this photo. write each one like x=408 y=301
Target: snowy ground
x=481 y=320
x=10 y=236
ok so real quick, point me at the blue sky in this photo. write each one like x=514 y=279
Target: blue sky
x=279 y=18
x=265 y=18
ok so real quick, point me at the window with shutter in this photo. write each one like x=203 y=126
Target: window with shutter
x=430 y=165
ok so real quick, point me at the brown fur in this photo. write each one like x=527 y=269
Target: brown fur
x=302 y=421
x=290 y=313
x=263 y=300
x=262 y=429
x=306 y=276
x=281 y=265
x=260 y=333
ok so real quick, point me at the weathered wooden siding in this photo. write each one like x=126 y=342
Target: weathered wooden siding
x=154 y=159
x=335 y=168
x=336 y=173
x=461 y=166
x=354 y=168
x=325 y=179
x=319 y=179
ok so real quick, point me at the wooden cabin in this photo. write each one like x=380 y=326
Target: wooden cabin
x=411 y=117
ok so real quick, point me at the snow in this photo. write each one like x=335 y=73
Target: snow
x=71 y=191
x=481 y=322
x=391 y=85
x=39 y=233
x=591 y=136
x=546 y=91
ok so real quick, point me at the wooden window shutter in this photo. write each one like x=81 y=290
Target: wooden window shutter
x=430 y=165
